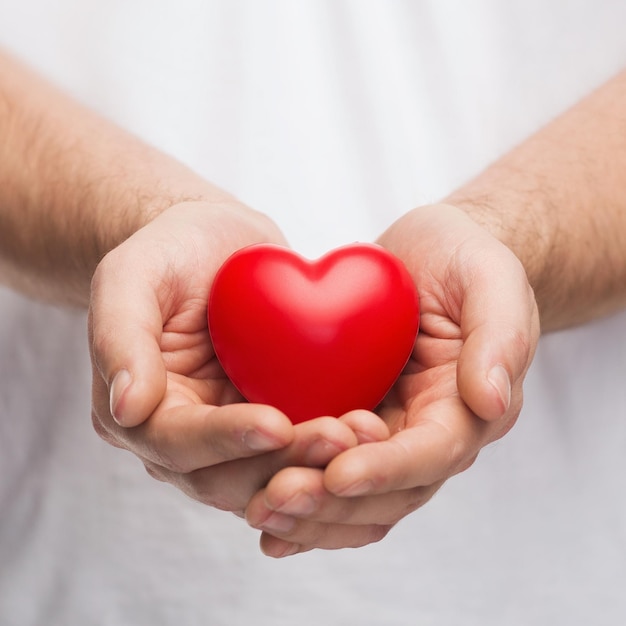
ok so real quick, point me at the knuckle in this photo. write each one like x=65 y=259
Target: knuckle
x=154 y=472
x=456 y=454
x=466 y=464
x=100 y=343
x=170 y=462
x=457 y=449
x=160 y=445
x=522 y=342
x=103 y=432
x=416 y=498
x=210 y=492
x=372 y=534
x=379 y=532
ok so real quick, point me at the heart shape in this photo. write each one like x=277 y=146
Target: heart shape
x=313 y=338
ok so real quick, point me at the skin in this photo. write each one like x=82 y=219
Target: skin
x=436 y=431
x=73 y=186
x=539 y=237
x=82 y=203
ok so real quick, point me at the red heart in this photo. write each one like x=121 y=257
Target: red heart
x=313 y=338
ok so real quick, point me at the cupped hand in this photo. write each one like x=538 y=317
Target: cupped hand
x=158 y=390
x=461 y=390
x=147 y=314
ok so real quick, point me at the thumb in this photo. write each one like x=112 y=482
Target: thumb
x=125 y=326
x=500 y=326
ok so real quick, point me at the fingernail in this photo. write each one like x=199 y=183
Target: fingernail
x=359 y=488
x=120 y=384
x=280 y=548
x=321 y=452
x=278 y=523
x=287 y=550
x=499 y=379
x=302 y=503
x=260 y=442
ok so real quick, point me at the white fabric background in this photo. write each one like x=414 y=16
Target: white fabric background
x=335 y=118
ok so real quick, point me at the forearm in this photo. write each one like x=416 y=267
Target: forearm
x=559 y=202
x=72 y=186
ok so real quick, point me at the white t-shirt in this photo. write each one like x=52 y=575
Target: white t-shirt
x=334 y=118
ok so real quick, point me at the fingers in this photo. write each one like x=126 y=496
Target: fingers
x=321 y=536
x=501 y=329
x=296 y=513
x=155 y=285
x=230 y=485
x=186 y=438
x=301 y=493
x=479 y=331
x=441 y=438
x=367 y=426
x=475 y=294
x=125 y=327
x=366 y=490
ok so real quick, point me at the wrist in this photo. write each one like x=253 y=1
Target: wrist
x=521 y=220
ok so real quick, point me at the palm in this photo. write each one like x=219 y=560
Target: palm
x=476 y=309
x=426 y=394
x=148 y=310
x=477 y=314
x=180 y=252
x=193 y=371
